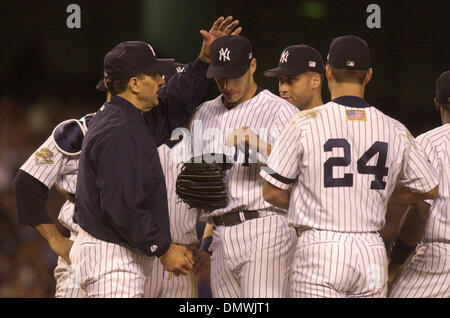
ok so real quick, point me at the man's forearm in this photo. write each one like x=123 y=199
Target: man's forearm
x=275 y=196
x=410 y=232
x=48 y=231
x=413 y=223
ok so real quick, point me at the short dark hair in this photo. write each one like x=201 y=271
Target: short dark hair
x=116 y=87
x=343 y=75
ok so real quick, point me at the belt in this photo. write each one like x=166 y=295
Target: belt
x=437 y=241
x=301 y=229
x=233 y=218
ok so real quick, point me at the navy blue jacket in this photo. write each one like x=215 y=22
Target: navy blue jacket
x=121 y=194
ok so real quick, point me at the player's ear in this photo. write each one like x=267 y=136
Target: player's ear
x=437 y=105
x=368 y=77
x=253 y=65
x=315 y=80
x=328 y=74
x=133 y=85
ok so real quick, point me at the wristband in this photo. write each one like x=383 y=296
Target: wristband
x=206 y=242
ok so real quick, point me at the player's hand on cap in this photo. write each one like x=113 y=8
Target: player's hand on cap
x=61 y=246
x=221 y=27
x=178 y=259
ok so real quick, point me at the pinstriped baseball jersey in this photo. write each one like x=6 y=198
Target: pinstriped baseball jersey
x=345 y=162
x=427 y=273
x=267 y=115
x=250 y=259
x=436 y=144
x=50 y=166
x=182 y=219
x=183 y=222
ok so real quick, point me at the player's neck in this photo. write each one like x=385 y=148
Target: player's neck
x=132 y=99
x=316 y=101
x=347 y=89
x=445 y=115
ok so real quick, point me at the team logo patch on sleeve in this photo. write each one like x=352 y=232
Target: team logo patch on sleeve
x=43 y=156
x=356 y=114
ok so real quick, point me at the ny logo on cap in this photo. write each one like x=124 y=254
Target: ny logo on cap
x=312 y=64
x=224 y=54
x=284 y=56
x=180 y=69
x=351 y=63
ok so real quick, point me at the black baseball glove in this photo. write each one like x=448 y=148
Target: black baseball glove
x=201 y=183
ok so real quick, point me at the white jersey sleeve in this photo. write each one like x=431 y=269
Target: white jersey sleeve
x=47 y=164
x=283 y=164
x=436 y=144
x=417 y=172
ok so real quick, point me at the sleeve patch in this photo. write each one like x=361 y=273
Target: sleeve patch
x=43 y=156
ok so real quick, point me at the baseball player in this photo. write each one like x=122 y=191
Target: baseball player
x=121 y=198
x=54 y=163
x=183 y=221
x=252 y=244
x=334 y=167
x=427 y=275
x=300 y=75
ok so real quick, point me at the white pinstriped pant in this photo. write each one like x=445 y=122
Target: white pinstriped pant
x=67 y=280
x=252 y=259
x=163 y=284
x=108 y=270
x=426 y=275
x=336 y=265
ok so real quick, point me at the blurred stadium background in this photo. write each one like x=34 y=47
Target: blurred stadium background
x=48 y=73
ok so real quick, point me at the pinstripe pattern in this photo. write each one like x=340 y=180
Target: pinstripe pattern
x=427 y=275
x=62 y=172
x=67 y=281
x=183 y=222
x=335 y=265
x=250 y=259
x=182 y=219
x=300 y=155
x=346 y=258
x=264 y=112
x=428 y=272
x=109 y=270
x=163 y=284
x=437 y=146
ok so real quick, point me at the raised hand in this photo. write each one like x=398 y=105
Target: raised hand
x=220 y=27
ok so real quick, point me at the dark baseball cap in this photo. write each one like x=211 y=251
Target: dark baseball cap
x=172 y=70
x=230 y=57
x=133 y=57
x=101 y=86
x=349 y=52
x=297 y=59
x=443 y=88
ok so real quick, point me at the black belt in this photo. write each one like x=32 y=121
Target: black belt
x=233 y=218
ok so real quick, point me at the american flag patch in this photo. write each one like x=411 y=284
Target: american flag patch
x=356 y=114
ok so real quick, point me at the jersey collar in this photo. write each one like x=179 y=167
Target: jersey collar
x=351 y=101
